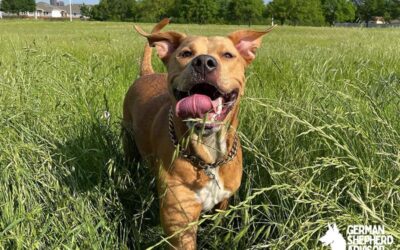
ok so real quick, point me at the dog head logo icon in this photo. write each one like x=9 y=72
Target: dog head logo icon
x=333 y=238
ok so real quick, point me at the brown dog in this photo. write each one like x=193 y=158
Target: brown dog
x=184 y=122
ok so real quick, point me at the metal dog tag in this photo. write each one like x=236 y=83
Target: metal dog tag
x=210 y=174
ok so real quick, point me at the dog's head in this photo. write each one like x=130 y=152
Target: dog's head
x=331 y=236
x=206 y=74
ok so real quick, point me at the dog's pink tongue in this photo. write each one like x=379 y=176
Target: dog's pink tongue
x=194 y=106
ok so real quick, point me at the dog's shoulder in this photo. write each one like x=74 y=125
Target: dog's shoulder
x=149 y=85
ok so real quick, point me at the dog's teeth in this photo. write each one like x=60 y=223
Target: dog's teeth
x=219 y=106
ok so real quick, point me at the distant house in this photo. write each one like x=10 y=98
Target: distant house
x=377 y=20
x=45 y=10
x=75 y=10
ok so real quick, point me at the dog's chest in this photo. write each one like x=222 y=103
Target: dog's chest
x=212 y=193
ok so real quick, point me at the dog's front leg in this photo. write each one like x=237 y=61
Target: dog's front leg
x=180 y=211
x=223 y=205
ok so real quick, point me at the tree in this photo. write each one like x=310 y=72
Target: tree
x=154 y=10
x=338 y=11
x=116 y=10
x=247 y=11
x=224 y=15
x=366 y=9
x=309 y=13
x=282 y=10
x=391 y=10
x=85 y=10
x=195 y=11
x=17 y=6
x=297 y=12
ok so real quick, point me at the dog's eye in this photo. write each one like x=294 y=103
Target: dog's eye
x=228 y=55
x=186 y=53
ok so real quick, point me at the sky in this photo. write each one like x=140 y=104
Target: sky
x=95 y=1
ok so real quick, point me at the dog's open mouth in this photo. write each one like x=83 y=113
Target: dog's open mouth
x=204 y=102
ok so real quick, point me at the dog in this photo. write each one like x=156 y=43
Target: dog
x=184 y=122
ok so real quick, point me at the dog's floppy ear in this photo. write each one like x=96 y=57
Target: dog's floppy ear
x=164 y=42
x=247 y=42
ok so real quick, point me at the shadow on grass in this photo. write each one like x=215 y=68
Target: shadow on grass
x=96 y=163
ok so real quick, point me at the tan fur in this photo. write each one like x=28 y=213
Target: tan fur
x=146 y=68
x=146 y=109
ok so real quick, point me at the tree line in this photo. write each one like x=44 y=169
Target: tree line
x=322 y=12
x=291 y=12
x=17 y=6
x=182 y=11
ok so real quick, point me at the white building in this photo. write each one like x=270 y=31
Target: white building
x=45 y=10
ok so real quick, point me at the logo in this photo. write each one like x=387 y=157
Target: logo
x=333 y=238
x=358 y=237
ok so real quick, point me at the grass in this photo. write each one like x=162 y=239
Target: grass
x=319 y=126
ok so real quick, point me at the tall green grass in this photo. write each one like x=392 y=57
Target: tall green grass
x=319 y=126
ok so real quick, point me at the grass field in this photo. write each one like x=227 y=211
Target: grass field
x=319 y=125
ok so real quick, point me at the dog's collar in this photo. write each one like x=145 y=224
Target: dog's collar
x=196 y=161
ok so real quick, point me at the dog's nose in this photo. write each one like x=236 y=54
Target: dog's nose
x=204 y=64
